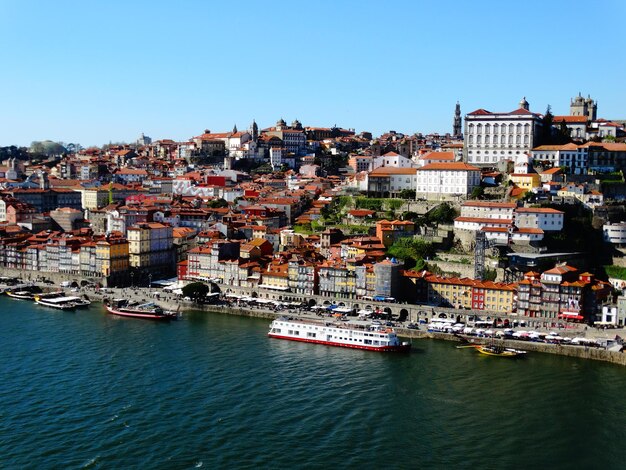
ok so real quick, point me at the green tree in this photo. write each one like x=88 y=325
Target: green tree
x=217 y=203
x=563 y=134
x=411 y=250
x=477 y=193
x=545 y=136
x=442 y=214
x=394 y=204
x=407 y=194
x=196 y=291
x=46 y=147
x=410 y=215
x=490 y=274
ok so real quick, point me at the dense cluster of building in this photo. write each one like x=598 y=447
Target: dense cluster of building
x=127 y=214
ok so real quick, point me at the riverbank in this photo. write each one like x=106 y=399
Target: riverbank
x=174 y=302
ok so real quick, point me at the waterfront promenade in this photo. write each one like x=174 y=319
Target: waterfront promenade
x=172 y=301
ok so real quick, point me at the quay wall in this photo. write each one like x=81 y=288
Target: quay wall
x=581 y=352
x=56 y=277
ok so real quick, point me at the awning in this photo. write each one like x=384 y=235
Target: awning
x=342 y=310
x=266 y=286
x=571 y=316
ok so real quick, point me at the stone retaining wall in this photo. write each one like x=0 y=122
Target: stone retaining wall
x=582 y=352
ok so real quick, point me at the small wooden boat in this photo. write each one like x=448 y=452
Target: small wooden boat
x=499 y=351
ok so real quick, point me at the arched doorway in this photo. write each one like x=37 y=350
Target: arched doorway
x=404 y=313
x=213 y=288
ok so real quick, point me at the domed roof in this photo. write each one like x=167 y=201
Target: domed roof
x=281 y=122
x=523 y=103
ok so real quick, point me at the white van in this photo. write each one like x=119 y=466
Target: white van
x=66 y=284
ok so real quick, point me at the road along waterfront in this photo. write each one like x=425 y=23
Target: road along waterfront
x=87 y=389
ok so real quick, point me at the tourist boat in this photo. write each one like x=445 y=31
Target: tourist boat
x=148 y=311
x=499 y=351
x=82 y=302
x=346 y=335
x=58 y=302
x=21 y=294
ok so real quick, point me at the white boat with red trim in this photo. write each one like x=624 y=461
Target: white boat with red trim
x=345 y=335
x=147 y=311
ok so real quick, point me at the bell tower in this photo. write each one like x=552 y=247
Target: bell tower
x=456 y=127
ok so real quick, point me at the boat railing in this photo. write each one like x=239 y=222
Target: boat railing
x=343 y=326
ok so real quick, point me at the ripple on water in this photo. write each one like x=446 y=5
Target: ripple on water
x=92 y=391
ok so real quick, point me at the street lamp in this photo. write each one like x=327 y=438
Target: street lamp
x=132 y=277
x=149 y=282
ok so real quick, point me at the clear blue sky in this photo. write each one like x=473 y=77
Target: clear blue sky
x=99 y=71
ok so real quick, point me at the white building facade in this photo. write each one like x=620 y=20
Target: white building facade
x=446 y=180
x=615 y=233
x=546 y=219
x=572 y=156
x=493 y=137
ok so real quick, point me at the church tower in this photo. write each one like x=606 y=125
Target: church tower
x=580 y=106
x=255 y=131
x=456 y=127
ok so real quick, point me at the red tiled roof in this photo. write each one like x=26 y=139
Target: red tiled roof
x=539 y=210
x=570 y=119
x=451 y=166
x=438 y=156
x=484 y=220
x=504 y=205
x=392 y=170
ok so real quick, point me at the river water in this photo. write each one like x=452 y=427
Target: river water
x=88 y=390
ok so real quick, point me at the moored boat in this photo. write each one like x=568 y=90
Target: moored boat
x=371 y=338
x=21 y=294
x=58 y=302
x=147 y=311
x=499 y=351
x=82 y=302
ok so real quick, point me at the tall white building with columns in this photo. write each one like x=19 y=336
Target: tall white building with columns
x=493 y=137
